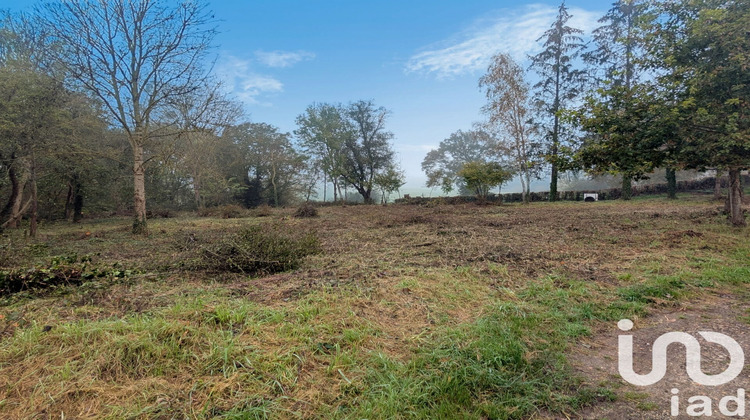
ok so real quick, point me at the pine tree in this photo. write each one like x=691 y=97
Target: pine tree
x=559 y=85
x=616 y=59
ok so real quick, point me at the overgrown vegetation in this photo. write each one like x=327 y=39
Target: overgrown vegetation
x=69 y=270
x=260 y=250
x=306 y=210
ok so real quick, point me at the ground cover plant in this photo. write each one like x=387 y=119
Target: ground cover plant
x=399 y=311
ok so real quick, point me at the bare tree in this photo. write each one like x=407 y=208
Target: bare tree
x=136 y=56
x=509 y=116
x=201 y=117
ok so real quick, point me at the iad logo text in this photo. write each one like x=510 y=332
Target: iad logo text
x=699 y=405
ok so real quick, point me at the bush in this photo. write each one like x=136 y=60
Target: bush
x=306 y=210
x=264 y=210
x=232 y=211
x=261 y=250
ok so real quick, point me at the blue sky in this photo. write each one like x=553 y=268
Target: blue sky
x=420 y=59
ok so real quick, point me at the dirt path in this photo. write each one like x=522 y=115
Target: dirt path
x=596 y=360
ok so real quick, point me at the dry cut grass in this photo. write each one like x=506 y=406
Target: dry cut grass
x=395 y=317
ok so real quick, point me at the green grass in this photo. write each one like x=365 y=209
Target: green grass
x=510 y=363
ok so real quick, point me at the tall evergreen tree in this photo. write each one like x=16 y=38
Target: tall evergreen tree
x=559 y=85
x=616 y=62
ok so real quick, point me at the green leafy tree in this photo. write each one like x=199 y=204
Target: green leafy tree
x=480 y=177
x=322 y=131
x=368 y=152
x=270 y=165
x=389 y=181
x=627 y=130
x=443 y=164
x=30 y=114
x=702 y=47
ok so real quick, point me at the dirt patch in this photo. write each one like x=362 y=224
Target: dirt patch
x=596 y=360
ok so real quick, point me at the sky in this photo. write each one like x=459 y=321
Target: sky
x=420 y=59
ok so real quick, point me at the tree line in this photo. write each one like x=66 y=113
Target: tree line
x=101 y=100
x=660 y=84
x=104 y=100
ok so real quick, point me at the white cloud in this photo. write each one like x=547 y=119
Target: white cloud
x=512 y=31
x=281 y=59
x=240 y=79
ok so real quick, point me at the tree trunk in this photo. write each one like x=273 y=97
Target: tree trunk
x=197 y=192
x=366 y=195
x=717 y=185
x=553 y=175
x=275 y=188
x=556 y=127
x=336 y=189
x=734 y=201
x=69 y=202
x=34 y=201
x=14 y=189
x=627 y=187
x=139 y=191
x=74 y=200
x=671 y=183
x=16 y=208
x=524 y=186
x=78 y=207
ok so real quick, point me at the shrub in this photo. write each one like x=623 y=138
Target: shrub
x=261 y=250
x=231 y=211
x=264 y=210
x=306 y=210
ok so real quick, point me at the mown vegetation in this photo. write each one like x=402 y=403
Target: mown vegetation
x=404 y=311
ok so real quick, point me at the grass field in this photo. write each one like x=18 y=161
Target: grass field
x=405 y=312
